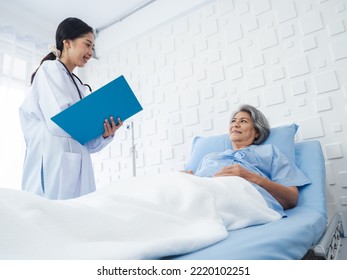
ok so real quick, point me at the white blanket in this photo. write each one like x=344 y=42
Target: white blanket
x=138 y=218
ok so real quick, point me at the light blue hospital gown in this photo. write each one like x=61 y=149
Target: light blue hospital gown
x=265 y=160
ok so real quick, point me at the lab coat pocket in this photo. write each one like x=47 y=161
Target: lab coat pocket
x=69 y=175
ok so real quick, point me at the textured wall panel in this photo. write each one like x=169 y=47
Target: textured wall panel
x=181 y=26
x=187 y=52
x=267 y=39
x=173 y=104
x=333 y=151
x=116 y=150
x=323 y=104
x=251 y=24
x=309 y=44
x=255 y=79
x=167 y=76
x=343 y=200
x=341 y=7
x=175 y=119
x=222 y=107
x=257 y=60
x=299 y=88
x=210 y=27
x=339 y=49
x=326 y=82
x=242 y=7
x=312 y=22
x=176 y=136
x=343 y=178
x=234 y=33
x=214 y=56
x=185 y=70
x=336 y=127
x=216 y=74
x=311 y=128
x=150 y=127
x=297 y=67
x=192 y=98
x=330 y=174
x=285 y=11
x=153 y=157
x=168 y=45
x=261 y=6
x=168 y=153
x=336 y=27
x=274 y=95
x=207 y=125
x=234 y=56
x=277 y=74
x=235 y=73
x=286 y=31
x=191 y=117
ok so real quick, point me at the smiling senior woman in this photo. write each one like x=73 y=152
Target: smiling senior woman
x=269 y=171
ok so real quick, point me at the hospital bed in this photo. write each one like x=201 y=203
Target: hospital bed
x=304 y=234
x=177 y=216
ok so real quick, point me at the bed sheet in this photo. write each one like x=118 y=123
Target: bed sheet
x=136 y=218
x=288 y=238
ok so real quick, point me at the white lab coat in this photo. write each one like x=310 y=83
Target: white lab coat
x=55 y=166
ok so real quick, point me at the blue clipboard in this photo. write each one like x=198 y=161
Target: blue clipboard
x=84 y=120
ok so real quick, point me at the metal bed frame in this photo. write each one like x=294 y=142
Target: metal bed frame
x=329 y=245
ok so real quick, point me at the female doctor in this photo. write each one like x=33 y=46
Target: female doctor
x=56 y=166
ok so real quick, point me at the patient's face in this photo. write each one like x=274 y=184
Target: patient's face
x=241 y=130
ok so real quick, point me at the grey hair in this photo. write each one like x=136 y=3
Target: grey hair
x=259 y=121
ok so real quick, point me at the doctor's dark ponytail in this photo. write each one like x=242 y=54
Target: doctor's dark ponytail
x=69 y=29
x=49 y=56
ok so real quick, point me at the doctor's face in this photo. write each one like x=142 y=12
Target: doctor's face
x=80 y=50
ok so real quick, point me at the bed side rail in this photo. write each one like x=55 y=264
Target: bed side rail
x=329 y=245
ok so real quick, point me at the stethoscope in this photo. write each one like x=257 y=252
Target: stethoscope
x=73 y=75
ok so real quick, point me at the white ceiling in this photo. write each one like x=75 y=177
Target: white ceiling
x=48 y=14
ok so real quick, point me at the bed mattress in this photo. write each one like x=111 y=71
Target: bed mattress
x=289 y=238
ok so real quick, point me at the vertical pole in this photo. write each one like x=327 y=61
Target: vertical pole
x=133 y=149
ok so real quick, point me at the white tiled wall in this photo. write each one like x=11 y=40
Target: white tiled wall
x=288 y=58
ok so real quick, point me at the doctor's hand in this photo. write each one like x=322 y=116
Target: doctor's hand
x=111 y=128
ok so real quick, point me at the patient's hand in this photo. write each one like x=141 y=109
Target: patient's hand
x=235 y=170
x=188 y=171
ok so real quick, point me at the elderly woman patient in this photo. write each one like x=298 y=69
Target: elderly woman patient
x=264 y=166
